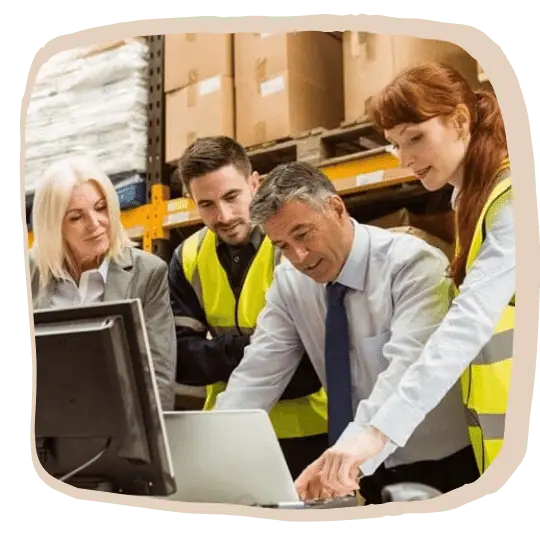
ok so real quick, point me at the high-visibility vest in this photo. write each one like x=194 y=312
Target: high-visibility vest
x=299 y=417
x=485 y=383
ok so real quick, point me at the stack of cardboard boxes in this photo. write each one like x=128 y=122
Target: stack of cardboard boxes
x=199 y=89
x=370 y=61
x=265 y=87
x=286 y=84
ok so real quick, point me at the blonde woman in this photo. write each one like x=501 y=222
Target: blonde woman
x=81 y=255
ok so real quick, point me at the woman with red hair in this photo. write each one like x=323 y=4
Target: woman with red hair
x=449 y=134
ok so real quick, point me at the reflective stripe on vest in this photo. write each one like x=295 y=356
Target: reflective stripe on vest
x=485 y=383
x=291 y=418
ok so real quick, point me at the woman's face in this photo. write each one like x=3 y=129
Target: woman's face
x=434 y=150
x=85 y=226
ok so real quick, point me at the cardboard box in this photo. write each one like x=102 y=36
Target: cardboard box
x=202 y=109
x=286 y=84
x=432 y=240
x=438 y=224
x=190 y=58
x=370 y=61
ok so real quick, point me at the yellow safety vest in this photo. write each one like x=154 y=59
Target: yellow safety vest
x=485 y=383
x=300 y=417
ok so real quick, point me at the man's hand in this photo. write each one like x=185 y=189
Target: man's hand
x=335 y=473
x=308 y=485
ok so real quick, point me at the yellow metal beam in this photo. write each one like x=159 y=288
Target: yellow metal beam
x=158 y=208
x=349 y=177
x=136 y=221
x=155 y=219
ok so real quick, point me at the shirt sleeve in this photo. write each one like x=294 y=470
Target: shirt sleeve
x=270 y=359
x=470 y=323
x=421 y=295
x=201 y=361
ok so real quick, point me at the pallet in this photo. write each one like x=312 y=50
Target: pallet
x=319 y=146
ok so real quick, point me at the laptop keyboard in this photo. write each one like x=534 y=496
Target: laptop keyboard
x=338 y=502
x=319 y=504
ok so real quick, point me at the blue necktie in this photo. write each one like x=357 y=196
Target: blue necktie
x=338 y=369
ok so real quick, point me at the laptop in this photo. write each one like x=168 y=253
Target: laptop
x=233 y=457
x=228 y=457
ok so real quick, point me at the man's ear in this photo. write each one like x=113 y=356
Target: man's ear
x=254 y=181
x=337 y=206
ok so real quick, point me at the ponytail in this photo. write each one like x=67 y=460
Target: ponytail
x=487 y=148
x=432 y=89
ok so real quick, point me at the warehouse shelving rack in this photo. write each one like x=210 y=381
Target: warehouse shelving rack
x=372 y=173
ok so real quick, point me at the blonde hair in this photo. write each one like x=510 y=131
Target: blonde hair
x=51 y=200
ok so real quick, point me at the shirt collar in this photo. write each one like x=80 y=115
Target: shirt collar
x=453 y=198
x=353 y=273
x=103 y=270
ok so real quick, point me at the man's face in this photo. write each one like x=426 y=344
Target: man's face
x=223 y=198
x=316 y=242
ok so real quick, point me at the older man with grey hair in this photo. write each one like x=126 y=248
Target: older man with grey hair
x=362 y=301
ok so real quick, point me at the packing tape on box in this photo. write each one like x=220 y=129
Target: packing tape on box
x=191 y=137
x=193 y=76
x=260 y=132
x=359 y=44
x=191 y=95
x=260 y=69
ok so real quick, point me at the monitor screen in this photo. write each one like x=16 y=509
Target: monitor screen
x=98 y=418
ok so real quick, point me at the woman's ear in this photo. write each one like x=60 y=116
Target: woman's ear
x=462 y=121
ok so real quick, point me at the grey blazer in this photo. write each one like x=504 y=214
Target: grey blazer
x=140 y=275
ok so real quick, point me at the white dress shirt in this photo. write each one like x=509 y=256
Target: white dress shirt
x=399 y=294
x=91 y=288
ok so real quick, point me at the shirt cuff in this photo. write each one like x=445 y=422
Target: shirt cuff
x=371 y=465
x=353 y=430
x=397 y=419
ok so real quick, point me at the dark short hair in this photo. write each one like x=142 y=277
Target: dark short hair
x=209 y=154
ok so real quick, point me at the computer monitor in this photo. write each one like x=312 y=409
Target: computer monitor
x=98 y=419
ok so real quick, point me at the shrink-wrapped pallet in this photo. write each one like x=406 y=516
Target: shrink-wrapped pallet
x=90 y=100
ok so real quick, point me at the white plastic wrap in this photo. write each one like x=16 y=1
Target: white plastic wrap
x=93 y=100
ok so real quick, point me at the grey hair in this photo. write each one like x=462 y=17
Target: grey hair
x=296 y=180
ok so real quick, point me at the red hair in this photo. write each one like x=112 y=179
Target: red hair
x=428 y=90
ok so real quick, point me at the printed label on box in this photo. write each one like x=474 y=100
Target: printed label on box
x=209 y=85
x=178 y=217
x=271 y=86
x=369 y=178
x=177 y=204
